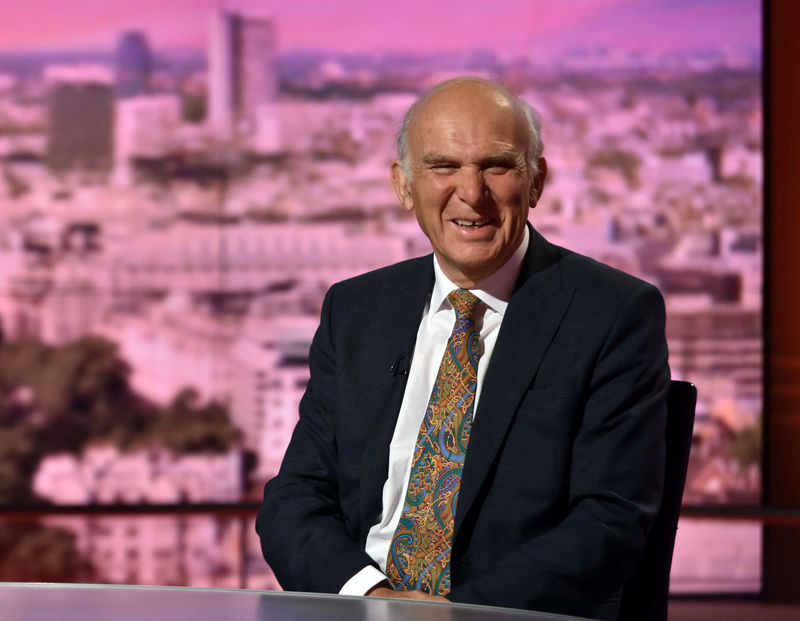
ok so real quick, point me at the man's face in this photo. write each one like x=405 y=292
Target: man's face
x=470 y=185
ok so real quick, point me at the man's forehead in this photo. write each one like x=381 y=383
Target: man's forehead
x=466 y=114
x=465 y=96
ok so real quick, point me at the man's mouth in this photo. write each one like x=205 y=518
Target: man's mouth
x=469 y=224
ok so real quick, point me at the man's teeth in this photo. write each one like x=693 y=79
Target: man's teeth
x=469 y=224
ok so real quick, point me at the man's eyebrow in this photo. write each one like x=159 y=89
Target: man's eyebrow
x=433 y=159
x=504 y=157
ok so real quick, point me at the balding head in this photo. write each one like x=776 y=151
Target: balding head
x=465 y=90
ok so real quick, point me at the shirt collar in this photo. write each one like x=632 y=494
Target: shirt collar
x=494 y=291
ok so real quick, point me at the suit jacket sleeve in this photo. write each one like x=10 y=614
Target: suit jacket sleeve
x=305 y=537
x=616 y=478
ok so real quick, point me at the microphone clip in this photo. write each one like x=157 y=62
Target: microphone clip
x=399 y=366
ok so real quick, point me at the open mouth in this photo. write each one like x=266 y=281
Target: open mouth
x=469 y=224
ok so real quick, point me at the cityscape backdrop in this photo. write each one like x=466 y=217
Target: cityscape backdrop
x=180 y=183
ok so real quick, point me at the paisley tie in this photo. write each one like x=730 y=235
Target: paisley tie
x=419 y=556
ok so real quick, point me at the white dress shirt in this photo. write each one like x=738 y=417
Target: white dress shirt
x=435 y=328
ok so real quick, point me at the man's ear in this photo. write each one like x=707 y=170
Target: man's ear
x=538 y=182
x=401 y=186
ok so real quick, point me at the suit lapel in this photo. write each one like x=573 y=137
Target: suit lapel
x=534 y=313
x=393 y=330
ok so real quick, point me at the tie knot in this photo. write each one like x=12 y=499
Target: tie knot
x=463 y=302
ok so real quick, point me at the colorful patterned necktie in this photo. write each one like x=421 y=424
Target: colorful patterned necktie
x=419 y=556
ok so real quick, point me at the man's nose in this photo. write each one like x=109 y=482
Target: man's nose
x=471 y=186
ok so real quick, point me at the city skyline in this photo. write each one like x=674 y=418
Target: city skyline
x=524 y=26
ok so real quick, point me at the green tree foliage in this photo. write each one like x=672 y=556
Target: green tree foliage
x=80 y=392
x=189 y=427
x=746 y=446
x=55 y=399
x=19 y=455
x=31 y=552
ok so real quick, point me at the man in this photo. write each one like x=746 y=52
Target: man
x=559 y=366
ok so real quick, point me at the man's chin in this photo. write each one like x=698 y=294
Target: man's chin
x=467 y=270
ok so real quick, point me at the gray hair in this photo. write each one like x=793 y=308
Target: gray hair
x=532 y=120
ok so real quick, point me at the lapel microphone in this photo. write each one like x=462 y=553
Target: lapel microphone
x=399 y=366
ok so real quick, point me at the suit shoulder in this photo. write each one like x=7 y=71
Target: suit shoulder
x=401 y=274
x=593 y=276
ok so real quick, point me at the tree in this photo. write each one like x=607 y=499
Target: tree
x=31 y=552
x=79 y=393
x=19 y=456
x=746 y=446
x=188 y=427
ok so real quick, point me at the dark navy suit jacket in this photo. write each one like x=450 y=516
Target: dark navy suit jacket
x=564 y=471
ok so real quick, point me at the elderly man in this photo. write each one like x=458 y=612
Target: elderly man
x=485 y=424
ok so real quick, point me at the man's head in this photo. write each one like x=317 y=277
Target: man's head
x=470 y=166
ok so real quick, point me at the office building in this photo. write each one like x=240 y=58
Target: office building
x=134 y=63
x=241 y=69
x=81 y=118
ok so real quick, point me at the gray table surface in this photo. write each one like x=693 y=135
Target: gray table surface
x=76 y=602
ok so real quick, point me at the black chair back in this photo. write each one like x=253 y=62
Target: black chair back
x=645 y=596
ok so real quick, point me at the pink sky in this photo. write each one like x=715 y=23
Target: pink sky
x=410 y=25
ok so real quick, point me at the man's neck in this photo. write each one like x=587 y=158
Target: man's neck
x=500 y=283
x=495 y=290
